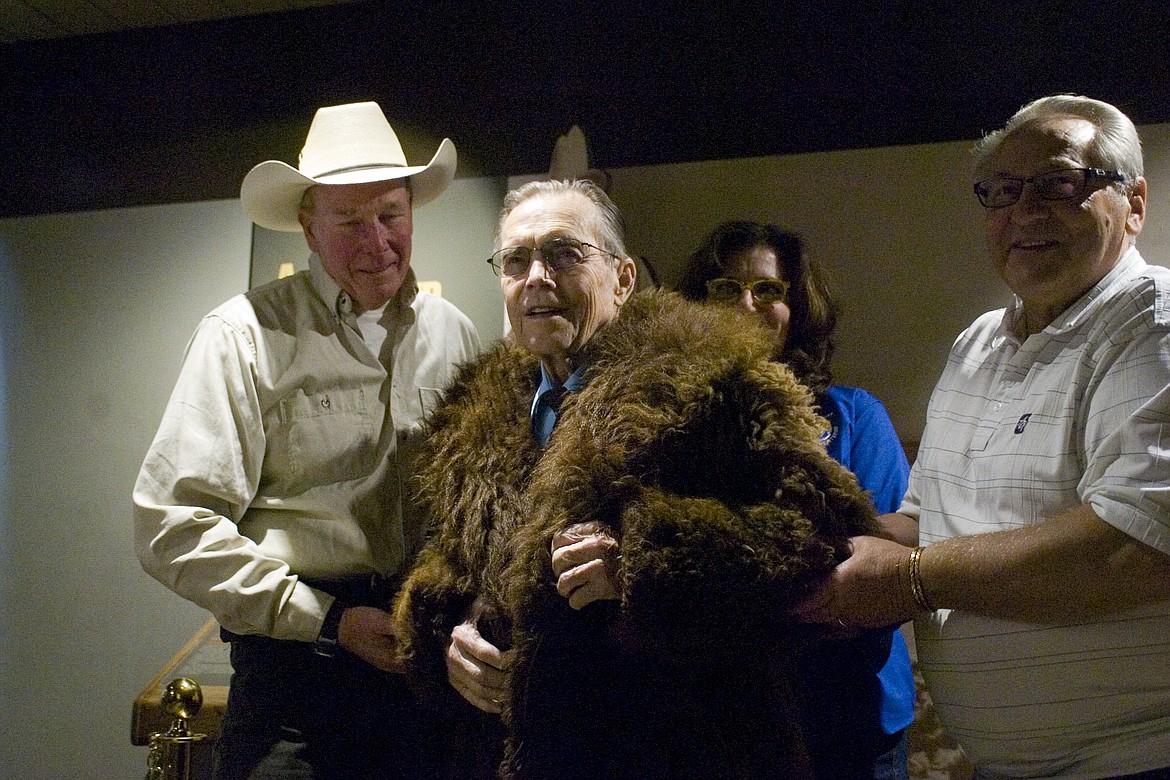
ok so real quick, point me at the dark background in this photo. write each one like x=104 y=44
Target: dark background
x=178 y=114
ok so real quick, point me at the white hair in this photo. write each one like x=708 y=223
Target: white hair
x=610 y=226
x=1115 y=146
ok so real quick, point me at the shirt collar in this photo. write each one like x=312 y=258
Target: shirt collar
x=1081 y=308
x=342 y=304
x=575 y=382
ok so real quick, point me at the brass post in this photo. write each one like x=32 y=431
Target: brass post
x=170 y=750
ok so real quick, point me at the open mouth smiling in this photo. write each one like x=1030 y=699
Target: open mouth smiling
x=1033 y=245
x=543 y=311
x=380 y=269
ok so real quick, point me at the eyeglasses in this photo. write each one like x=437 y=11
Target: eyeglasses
x=1000 y=191
x=763 y=290
x=559 y=254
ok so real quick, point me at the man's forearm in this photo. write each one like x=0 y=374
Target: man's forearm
x=1071 y=567
x=901 y=528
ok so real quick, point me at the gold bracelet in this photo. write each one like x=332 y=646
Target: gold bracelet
x=916 y=589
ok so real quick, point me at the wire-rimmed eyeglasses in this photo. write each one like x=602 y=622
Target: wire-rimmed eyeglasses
x=763 y=290
x=1065 y=184
x=559 y=254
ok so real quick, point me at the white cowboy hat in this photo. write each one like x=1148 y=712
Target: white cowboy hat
x=347 y=144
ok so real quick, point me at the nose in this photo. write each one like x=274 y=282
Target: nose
x=376 y=235
x=746 y=301
x=538 y=272
x=1030 y=206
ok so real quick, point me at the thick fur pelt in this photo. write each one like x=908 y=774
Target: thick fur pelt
x=701 y=456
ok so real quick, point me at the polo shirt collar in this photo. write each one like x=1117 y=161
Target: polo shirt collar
x=1083 y=307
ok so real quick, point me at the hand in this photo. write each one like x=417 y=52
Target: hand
x=368 y=633
x=584 y=561
x=477 y=669
x=870 y=589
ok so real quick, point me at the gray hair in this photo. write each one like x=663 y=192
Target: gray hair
x=1115 y=145
x=609 y=227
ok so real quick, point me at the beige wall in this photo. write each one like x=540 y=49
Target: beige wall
x=97 y=308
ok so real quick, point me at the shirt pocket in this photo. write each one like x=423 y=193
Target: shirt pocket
x=319 y=438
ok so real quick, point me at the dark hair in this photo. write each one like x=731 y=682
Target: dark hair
x=808 y=350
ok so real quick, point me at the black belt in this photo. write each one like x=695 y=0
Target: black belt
x=1153 y=774
x=374 y=590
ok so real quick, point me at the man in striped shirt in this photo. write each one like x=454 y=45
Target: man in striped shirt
x=1041 y=491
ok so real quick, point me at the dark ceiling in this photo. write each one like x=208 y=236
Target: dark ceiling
x=180 y=113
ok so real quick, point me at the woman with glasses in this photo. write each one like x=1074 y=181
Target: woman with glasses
x=857 y=690
x=628 y=496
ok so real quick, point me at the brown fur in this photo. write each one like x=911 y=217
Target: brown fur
x=702 y=458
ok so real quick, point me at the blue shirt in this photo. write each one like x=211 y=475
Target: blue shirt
x=547 y=401
x=863 y=440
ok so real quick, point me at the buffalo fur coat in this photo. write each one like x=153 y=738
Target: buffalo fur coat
x=702 y=458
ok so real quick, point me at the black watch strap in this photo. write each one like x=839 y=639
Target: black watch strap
x=326 y=642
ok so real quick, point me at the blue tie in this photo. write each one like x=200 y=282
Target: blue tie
x=547 y=409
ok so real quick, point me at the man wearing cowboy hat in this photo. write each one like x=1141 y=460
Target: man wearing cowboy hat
x=275 y=494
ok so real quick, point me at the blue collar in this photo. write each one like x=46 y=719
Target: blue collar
x=546 y=402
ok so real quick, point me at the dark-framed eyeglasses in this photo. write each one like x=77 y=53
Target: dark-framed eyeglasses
x=559 y=254
x=1065 y=184
x=763 y=290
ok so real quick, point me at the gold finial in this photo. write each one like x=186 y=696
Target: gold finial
x=170 y=750
x=182 y=699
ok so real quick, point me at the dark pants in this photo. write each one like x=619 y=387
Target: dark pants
x=296 y=715
x=892 y=765
x=841 y=709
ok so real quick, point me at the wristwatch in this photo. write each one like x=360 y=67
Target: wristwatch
x=326 y=642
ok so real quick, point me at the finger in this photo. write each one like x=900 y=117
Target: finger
x=577 y=532
x=476 y=698
x=589 y=593
x=580 y=530
x=470 y=643
x=582 y=552
x=475 y=657
x=814 y=607
x=472 y=690
x=573 y=554
x=578 y=576
x=473 y=679
x=585 y=584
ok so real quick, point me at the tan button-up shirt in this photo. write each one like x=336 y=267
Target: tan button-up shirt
x=285 y=448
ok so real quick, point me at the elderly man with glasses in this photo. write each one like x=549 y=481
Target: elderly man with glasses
x=1041 y=491
x=628 y=498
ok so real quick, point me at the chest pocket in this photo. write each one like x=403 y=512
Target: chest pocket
x=319 y=438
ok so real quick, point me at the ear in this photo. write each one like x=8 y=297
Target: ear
x=1137 y=208
x=306 y=221
x=627 y=273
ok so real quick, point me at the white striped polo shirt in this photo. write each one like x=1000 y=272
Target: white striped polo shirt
x=1017 y=432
